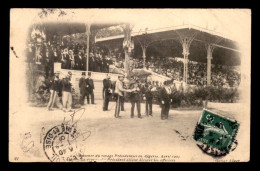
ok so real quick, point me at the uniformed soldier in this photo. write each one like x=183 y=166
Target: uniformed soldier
x=119 y=89
x=135 y=98
x=107 y=91
x=83 y=88
x=90 y=88
x=165 y=100
x=66 y=93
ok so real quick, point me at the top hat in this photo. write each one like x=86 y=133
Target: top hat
x=83 y=73
x=89 y=73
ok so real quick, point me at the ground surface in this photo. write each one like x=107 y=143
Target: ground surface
x=122 y=136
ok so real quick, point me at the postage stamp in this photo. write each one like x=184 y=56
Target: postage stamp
x=216 y=131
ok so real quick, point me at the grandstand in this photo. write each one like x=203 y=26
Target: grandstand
x=192 y=44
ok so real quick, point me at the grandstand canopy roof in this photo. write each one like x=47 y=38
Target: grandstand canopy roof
x=165 y=41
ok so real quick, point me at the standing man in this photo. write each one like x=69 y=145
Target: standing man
x=92 y=62
x=66 y=93
x=135 y=98
x=165 y=100
x=148 y=97
x=78 y=61
x=119 y=89
x=71 y=59
x=90 y=88
x=106 y=92
x=54 y=89
x=97 y=62
x=65 y=59
x=84 y=60
x=83 y=88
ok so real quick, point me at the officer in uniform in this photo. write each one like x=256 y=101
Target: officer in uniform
x=106 y=92
x=66 y=93
x=90 y=88
x=119 y=89
x=135 y=98
x=165 y=100
x=83 y=88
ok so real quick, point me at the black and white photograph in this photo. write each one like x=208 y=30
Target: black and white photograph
x=129 y=85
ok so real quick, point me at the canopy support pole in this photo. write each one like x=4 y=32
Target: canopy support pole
x=210 y=49
x=185 y=42
x=144 y=42
x=127 y=45
x=144 y=56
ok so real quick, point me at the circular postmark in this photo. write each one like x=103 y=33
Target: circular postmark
x=60 y=144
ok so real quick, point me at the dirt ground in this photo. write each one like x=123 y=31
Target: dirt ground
x=149 y=136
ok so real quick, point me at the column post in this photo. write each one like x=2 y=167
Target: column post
x=186 y=42
x=127 y=45
x=185 y=62
x=210 y=49
x=144 y=56
x=144 y=42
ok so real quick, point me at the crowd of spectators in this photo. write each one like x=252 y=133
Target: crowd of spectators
x=73 y=56
x=197 y=72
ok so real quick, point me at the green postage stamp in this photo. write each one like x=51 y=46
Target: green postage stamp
x=216 y=131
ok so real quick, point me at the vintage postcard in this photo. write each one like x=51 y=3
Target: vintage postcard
x=129 y=85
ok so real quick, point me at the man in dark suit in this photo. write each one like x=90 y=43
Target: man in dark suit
x=106 y=92
x=84 y=62
x=92 y=62
x=90 y=88
x=97 y=62
x=83 y=87
x=78 y=61
x=65 y=59
x=105 y=65
x=165 y=100
x=135 y=98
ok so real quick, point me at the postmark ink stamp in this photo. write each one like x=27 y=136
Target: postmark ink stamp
x=216 y=134
x=65 y=143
